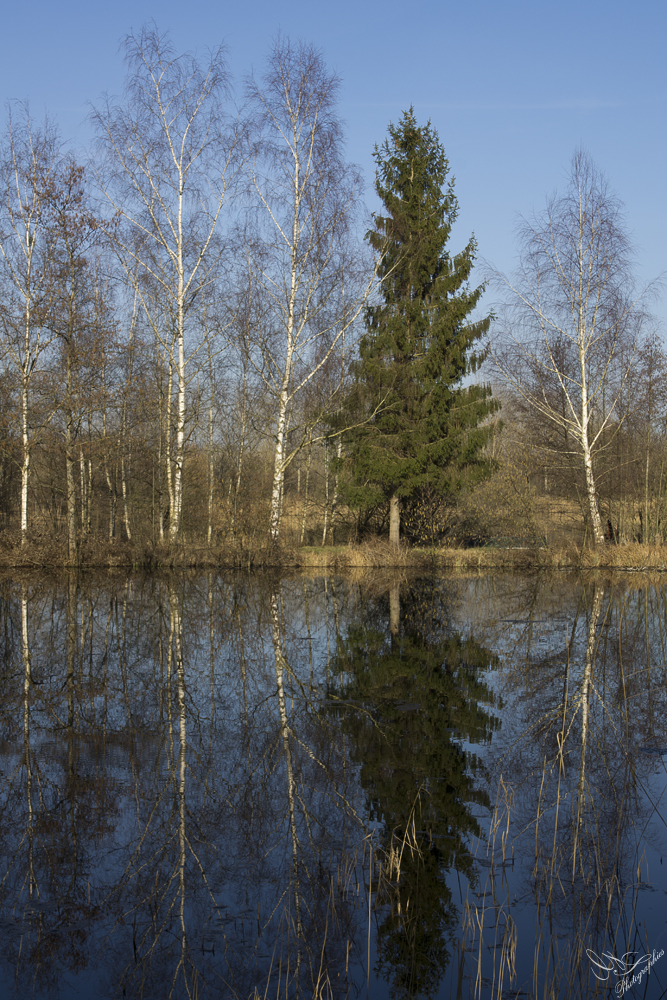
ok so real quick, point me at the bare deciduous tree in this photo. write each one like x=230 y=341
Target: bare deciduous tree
x=27 y=245
x=572 y=308
x=71 y=320
x=306 y=198
x=168 y=153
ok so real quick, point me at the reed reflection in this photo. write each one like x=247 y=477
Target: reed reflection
x=574 y=803
x=189 y=768
x=52 y=809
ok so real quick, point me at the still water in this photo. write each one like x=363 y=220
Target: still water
x=249 y=787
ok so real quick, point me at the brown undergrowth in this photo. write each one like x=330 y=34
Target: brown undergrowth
x=48 y=552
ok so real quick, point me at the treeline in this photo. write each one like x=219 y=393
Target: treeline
x=178 y=313
x=199 y=344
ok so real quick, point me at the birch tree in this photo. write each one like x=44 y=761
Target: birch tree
x=167 y=150
x=27 y=246
x=572 y=308
x=305 y=198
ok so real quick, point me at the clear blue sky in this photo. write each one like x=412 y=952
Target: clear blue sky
x=512 y=87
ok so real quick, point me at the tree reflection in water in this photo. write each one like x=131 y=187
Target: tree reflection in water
x=413 y=693
x=236 y=787
x=575 y=803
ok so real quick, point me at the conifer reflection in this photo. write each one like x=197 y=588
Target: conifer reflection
x=410 y=695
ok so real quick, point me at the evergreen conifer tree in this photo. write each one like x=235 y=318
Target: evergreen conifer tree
x=427 y=431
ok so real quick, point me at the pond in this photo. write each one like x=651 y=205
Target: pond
x=309 y=786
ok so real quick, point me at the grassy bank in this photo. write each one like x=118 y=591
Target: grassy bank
x=51 y=554
x=633 y=558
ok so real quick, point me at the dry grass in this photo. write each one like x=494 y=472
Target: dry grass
x=633 y=556
x=46 y=552
x=378 y=553
x=370 y=555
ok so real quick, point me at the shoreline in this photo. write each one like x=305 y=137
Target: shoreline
x=377 y=554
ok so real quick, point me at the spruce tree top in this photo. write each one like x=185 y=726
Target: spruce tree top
x=411 y=173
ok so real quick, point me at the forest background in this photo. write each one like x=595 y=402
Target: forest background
x=150 y=390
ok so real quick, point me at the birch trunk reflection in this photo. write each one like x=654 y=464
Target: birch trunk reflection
x=281 y=667
x=192 y=768
x=27 y=682
x=176 y=644
x=157 y=898
x=308 y=803
x=571 y=797
x=584 y=701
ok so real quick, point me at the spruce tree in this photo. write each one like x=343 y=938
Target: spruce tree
x=418 y=426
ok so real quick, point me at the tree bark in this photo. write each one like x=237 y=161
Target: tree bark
x=123 y=421
x=25 y=464
x=111 y=487
x=394 y=522
x=305 y=494
x=326 y=492
x=334 y=501
x=84 y=491
x=209 y=443
x=596 y=522
x=281 y=427
x=70 y=435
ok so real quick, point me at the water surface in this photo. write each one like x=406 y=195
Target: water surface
x=229 y=786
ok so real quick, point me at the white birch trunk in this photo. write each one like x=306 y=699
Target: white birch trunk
x=210 y=446
x=326 y=492
x=279 y=454
x=111 y=483
x=84 y=491
x=168 y=472
x=123 y=422
x=177 y=492
x=89 y=495
x=596 y=523
x=69 y=458
x=239 y=467
x=25 y=463
x=279 y=458
x=334 y=501
x=111 y=488
x=27 y=366
x=123 y=487
x=305 y=492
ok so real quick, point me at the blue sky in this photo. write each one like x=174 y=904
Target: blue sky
x=511 y=87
